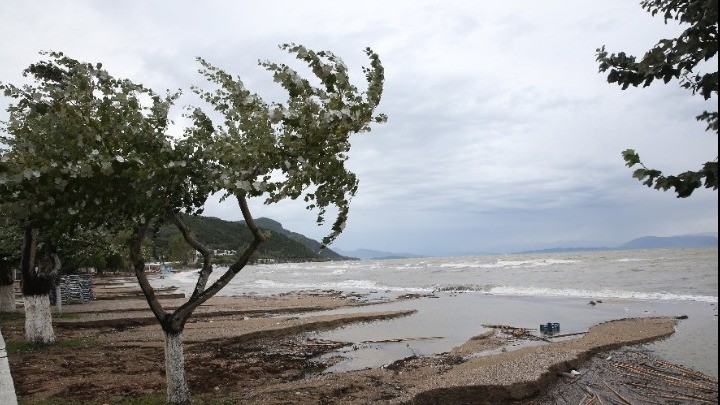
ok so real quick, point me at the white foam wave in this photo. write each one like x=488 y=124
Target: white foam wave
x=465 y=288
x=338 y=285
x=184 y=277
x=568 y=292
x=500 y=263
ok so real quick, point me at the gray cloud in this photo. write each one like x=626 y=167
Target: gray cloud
x=502 y=135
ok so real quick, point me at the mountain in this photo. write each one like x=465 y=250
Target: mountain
x=645 y=242
x=567 y=250
x=368 y=254
x=313 y=245
x=215 y=233
x=683 y=241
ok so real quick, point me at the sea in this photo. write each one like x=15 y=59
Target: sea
x=461 y=294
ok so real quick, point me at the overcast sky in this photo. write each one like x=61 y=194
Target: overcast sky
x=502 y=136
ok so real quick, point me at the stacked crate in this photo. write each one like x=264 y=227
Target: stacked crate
x=74 y=289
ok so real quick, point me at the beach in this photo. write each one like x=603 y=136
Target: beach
x=317 y=346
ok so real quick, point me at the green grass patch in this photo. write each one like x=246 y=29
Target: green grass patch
x=11 y=317
x=21 y=347
x=19 y=317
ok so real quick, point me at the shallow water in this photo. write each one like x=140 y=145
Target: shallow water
x=451 y=320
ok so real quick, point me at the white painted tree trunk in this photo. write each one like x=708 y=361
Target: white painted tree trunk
x=177 y=388
x=38 y=319
x=58 y=299
x=7 y=298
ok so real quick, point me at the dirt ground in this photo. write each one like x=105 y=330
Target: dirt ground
x=256 y=350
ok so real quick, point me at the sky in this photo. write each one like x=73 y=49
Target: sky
x=502 y=135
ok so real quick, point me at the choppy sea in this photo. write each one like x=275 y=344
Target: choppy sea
x=522 y=290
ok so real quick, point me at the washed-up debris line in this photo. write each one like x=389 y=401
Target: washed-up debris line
x=631 y=377
x=74 y=289
x=518 y=333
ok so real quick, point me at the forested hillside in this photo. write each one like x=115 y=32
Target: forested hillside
x=313 y=245
x=282 y=245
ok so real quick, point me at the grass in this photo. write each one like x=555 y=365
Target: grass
x=21 y=347
x=11 y=317
x=19 y=317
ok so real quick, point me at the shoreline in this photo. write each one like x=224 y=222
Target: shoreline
x=259 y=348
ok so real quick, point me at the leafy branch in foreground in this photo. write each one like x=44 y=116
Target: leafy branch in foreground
x=677 y=58
x=684 y=183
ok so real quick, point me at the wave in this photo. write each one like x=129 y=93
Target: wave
x=576 y=293
x=184 y=277
x=336 y=285
x=465 y=288
x=500 y=263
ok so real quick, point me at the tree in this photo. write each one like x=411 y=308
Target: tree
x=676 y=58
x=124 y=171
x=76 y=139
x=279 y=151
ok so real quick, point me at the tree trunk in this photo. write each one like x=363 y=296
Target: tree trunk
x=7 y=284
x=7 y=298
x=36 y=288
x=177 y=388
x=173 y=324
x=38 y=320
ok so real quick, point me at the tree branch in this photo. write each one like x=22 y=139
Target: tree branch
x=206 y=253
x=136 y=257
x=181 y=315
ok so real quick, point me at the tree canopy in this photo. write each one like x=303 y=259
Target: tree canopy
x=682 y=59
x=292 y=149
x=82 y=146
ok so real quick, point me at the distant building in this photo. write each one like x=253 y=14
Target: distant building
x=221 y=252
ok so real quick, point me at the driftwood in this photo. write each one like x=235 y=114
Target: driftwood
x=631 y=377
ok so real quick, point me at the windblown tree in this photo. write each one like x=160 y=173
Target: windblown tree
x=75 y=141
x=273 y=150
x=122 y=170
x=680 y=58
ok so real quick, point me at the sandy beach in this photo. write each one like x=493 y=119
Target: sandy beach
x=271 y=350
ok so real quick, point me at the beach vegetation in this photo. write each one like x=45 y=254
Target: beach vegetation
x=687 y=59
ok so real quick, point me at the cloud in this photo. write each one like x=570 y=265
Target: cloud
x=501 y=134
